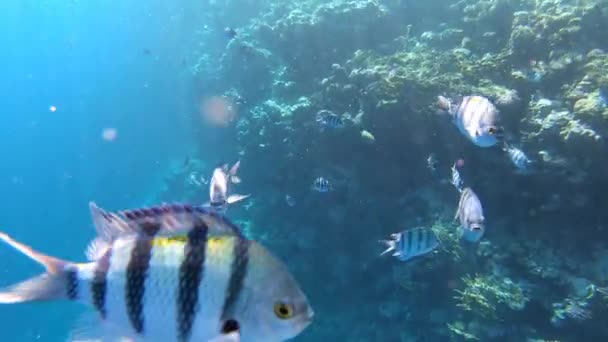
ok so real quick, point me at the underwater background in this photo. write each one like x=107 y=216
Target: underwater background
x=134 y=103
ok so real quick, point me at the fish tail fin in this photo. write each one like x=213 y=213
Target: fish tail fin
x=46 y=286
x=235 y=168
x=390 y=244
x=443 y=105
x=236 y=198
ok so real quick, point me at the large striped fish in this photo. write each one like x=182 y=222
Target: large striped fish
x=411 y=243
x=476 y=118
x=171 y=273
x=470 y=215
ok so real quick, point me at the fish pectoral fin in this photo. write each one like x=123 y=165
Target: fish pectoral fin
x=97 y=249
x=234 y=336
x=89 y=327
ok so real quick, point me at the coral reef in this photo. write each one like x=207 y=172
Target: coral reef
x=379 y=65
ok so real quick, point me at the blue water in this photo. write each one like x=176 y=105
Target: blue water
x=87 y=58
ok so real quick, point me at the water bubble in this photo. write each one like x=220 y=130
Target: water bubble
x=109 y=134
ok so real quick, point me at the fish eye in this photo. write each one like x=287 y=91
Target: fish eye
x=492 y=130
x=283 y=310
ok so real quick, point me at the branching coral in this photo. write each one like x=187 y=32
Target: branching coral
x=487 y=295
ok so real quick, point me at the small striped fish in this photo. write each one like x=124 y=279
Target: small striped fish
x=329 y=119
x=470 y=215
x=517 y=157
x=476 y=118
x=220 y=185
x=321 y=184
x=456 y=181
x=411 y=243
x=171 y=273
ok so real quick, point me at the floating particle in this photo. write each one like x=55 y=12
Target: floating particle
x=218 y=111
x=109 y=134
x=52 y=109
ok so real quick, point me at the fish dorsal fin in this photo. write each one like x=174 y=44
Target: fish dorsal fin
x=163 y=220
x=108 y=225
x=177 y=219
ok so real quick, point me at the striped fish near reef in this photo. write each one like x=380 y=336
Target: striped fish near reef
x=329 y=119
x=171 y=273
x=219 y=187
x=411 y=243
x=456 y=180
x=518 y=158
x=470 y=215
x=476 y=118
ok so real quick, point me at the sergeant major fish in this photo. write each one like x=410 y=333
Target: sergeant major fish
x=220 y=185
x=518 y=158
x=411 y=243
x=470 y=215
x=171 y=273
x=456 y=180
x=329 y=119
x=476 y=118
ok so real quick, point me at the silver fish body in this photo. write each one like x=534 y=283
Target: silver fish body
x=219 y=187
x=431 y=162
x=411 y=243
x=172 y=273
x=470 y=215
x=476 y=118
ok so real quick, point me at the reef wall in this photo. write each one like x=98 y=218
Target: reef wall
x=538 y=273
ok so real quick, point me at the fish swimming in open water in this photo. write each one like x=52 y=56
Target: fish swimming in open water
x=321 y=184
x=219 y=187
x=172 y=273
x=470 y=215
x=476 y=117
x=411 y=243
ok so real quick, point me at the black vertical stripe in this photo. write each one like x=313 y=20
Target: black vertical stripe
x=238 y=271
x=71 y=276
x=137 y=270
x=99 y=283
x=409 y=241
x=421 y=235
x=191 y=273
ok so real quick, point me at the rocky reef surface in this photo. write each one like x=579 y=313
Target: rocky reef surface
x=540 y=271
